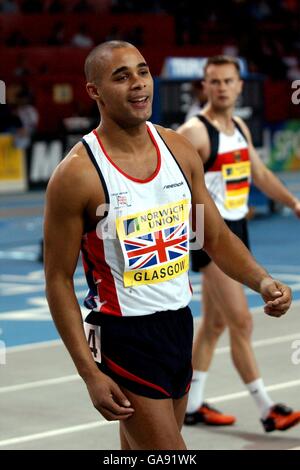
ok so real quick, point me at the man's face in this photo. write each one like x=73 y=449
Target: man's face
x=222 y=86
x=125 y=87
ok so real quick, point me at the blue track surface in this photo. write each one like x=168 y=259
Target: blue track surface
x=24 y=316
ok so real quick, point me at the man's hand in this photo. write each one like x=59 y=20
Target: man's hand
x=278 y=297
x=296 y=208
x=108 y=398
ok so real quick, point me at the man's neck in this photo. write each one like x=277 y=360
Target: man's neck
x=222 y=119
x=126 y=140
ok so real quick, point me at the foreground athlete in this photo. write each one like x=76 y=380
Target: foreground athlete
x=135 y=253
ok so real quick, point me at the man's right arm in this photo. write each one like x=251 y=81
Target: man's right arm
x=67 y=197
x=195 y=132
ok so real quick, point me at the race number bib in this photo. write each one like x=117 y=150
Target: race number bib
x=236 y=178
x=92 y=334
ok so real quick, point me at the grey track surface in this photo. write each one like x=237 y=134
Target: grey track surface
x=59 y=415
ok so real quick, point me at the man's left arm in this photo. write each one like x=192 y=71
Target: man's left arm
x=266 y=181
x=229 y=253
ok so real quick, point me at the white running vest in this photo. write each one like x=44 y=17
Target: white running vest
x=136 y=260
x=228 y=179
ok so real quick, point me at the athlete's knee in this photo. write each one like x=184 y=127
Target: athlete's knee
x=214 y=328
x=241 y=323
x=168 y=440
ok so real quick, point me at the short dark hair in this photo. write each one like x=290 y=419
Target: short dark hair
x=222 y=60
x=90 y=65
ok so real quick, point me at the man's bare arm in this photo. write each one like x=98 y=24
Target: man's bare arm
x=195 y=132
x=66 y=201
x=266 y=181
x=227 y=250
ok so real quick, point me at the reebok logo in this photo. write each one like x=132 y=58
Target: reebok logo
x=174 y=185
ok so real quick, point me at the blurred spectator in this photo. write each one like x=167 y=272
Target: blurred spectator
x=136 y=36
x=9 y=121
x=271 y=58
x=81 y=38
x=56 y=6
x=57 y=35
x=114 y=34
x=16 y=39
x=32 y=6
x=12 y=124
x=198 y=99
x=83 y=6
x=28 y=116
x=9 y=6
x=260 y=10
x=293 y=68
x=21 y=70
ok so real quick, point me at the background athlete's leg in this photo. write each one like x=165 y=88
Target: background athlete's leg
x=227 y=296
x=212 y=326
x=153 y=424
x=206 y=337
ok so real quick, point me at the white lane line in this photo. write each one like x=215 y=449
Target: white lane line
x=294 y=448
x=31 y=346
x=270 y=388
x=47 y=344
x=68 y=378
x=263 y=342
x=55 y=432
x=39 y=383
x=95 y=424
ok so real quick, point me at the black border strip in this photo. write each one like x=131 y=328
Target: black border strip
x=176 y=162
x=91 y=155
x=213 y=135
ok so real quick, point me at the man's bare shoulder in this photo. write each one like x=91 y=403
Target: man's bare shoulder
x=243 y=126
x=182 y=149
x=74 y=176
x=177 y=143
x=195 y=131
x=193 y=125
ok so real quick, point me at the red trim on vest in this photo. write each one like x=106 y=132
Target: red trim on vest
x=136 y=180
x=235 y=156
x=128 y=375
x=106 y=287
x=188 y=387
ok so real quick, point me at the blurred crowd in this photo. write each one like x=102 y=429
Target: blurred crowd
x=265 y=32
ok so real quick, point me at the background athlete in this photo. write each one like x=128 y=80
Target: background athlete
x=224 y=144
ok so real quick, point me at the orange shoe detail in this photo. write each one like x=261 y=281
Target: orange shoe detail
x=208 y=415
x=280 y=418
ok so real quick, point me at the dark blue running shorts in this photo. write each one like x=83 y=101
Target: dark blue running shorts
x=150 y=355
x=200 y=259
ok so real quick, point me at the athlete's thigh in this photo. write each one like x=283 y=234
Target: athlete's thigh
x=226 y=294
x=179 y=410
x=153 y=424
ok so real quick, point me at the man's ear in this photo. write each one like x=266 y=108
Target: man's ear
x=93 y=91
